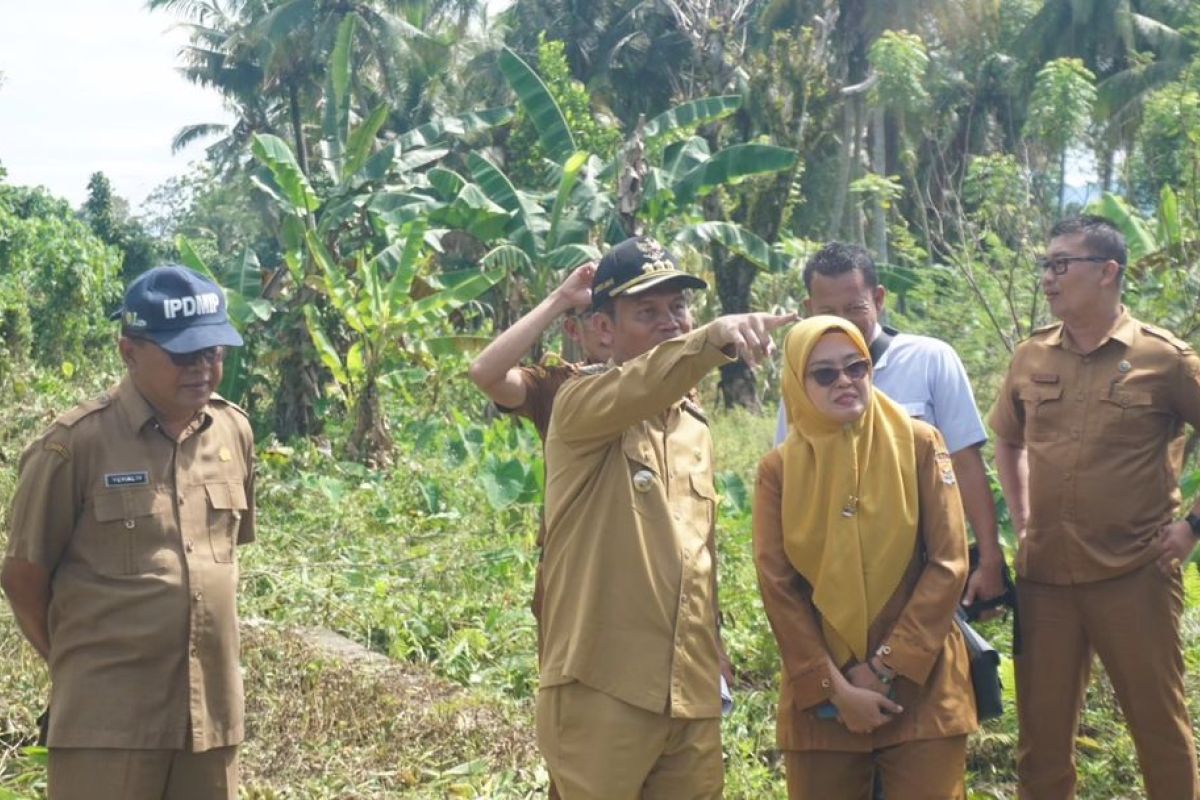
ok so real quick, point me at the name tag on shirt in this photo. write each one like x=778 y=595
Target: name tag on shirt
x=115 y=480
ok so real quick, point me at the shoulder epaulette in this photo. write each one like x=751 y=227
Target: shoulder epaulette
x=1167 y=336
x=595 y=369
x=69 y=418
x=1053 y=326
x=216 y=399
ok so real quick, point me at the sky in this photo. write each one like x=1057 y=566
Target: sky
x=91 y=85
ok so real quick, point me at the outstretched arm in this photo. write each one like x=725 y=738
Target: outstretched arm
x=495 y=370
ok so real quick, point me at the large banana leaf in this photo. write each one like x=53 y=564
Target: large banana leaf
x=402 y=260
x=691 y=114
x=458 y=125
x=540 y=105
x=499 y=188
x=295 y=193
x=436 y=306
x=737 y=239
x=680 y=158
x=341 y=295
x=566 y=183
x=569 y=256
x=358 y=148
x=335 y=122
x=508 y=257
x=325 y=349
x=1139 y=238
x=731 y=165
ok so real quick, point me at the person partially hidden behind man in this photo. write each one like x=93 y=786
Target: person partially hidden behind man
x=629 y=701
x=121 y=566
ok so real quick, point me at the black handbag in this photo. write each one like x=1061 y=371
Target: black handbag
x=985 y=670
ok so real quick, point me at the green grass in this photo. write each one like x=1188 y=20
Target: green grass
x=431 y=564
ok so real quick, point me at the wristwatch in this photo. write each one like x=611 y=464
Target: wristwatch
x=1193 y=521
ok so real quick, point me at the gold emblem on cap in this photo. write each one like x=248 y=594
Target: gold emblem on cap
x=656 y=256
x=643 y=479
x=224 y=454
x=1124 y=367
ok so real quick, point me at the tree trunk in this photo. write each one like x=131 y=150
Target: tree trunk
x=297 y=128
x=370 y=443
x=837 y=218
x=879 y=241
x=296 y=394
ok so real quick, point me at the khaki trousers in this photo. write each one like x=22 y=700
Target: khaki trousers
x=1132 y=623
x=924 y=769
x=110 y=774
x=600 y=748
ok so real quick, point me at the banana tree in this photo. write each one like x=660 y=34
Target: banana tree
x=388 y=326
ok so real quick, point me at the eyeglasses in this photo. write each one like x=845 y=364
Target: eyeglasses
x=1059 y=264
x=827 y=376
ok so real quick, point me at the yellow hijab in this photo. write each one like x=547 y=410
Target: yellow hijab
x=849 y=497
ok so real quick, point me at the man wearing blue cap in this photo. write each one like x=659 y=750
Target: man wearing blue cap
x=121 y=565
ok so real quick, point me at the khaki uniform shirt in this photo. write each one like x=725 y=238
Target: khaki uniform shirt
x=542 y=383
x=139 y=532
x=630 y=558
x=1104 y=436
x=914 y=633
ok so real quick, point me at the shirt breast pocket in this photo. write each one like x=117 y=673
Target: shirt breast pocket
x=1128 y=414
x=226 y=505
x=1043 y=412
x=916 y=410
x=130 y=539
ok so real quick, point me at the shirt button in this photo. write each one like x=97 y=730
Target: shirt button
x=188 y=546
x=180 y=499
x=885 y=650
x=197 y=597
x=676 y=517
x=696 y=454
x=130 y=524
x=825 y=683
x=195 y=652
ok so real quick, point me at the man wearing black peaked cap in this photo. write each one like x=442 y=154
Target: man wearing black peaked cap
x=629 y=701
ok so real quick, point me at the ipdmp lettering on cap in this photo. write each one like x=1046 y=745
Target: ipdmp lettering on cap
x=208 y=303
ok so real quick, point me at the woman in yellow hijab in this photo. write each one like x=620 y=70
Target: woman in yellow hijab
x=861 y=552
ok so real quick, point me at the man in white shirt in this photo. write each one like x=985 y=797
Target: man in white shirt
x=924 y=376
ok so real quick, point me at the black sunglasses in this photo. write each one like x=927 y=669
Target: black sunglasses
x=210 y=355
x=827 y=376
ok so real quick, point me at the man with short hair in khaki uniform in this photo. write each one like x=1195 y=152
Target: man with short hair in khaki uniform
x=629 y=703
x=121 y=565
x=1089 y=425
